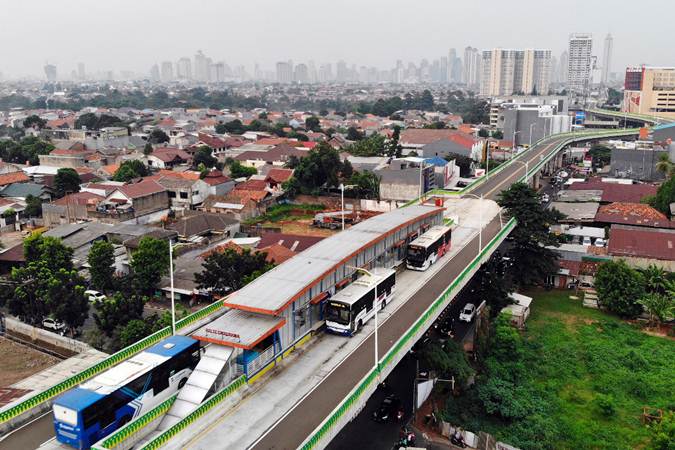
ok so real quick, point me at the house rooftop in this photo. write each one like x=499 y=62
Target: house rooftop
x=641 y=242
x=632 y=214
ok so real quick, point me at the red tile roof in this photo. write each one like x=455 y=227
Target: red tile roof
x=168 y=154
x=276 y=253
x=632 y=214
x=572 y=266
x=211 y=141
x=245 y=196
x=651 y=243
x=215 y=177
x=80 y=198
x=141 y=189
x=280 y=152
x=295 y=242
x=251 y=185
x=423 y=136
x=614 y=192
x=13 y=177
x=279 y=175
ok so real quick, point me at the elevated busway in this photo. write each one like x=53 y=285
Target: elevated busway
x=630 y=118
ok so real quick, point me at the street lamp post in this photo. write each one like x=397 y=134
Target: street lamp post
x=532 y=125
x=527 y=170
x=173 y=305
x=513 y=149
x=480 y=220
x=342 y=201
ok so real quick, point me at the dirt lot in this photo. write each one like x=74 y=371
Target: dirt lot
x=19 y=362
x=303 y=227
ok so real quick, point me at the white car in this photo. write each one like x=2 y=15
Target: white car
x=545 y=198
x=94 y=296
x=468 y=313
x=586 y=241
x=600 y=242
x=54 y=325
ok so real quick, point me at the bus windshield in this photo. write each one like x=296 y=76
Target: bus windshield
x=416 y=253
x=337 y=312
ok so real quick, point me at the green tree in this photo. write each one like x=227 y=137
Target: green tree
x=149 y=262
x=661 y=307
x=347 y=170
x=129 y=170
x=93 y=122
x=101 y=261
x=601 y=154
x=498 y=134
x=619 y=288
x=655 y=279
x=33 y=206
x=494 y=283
x=395 y=149
x=483 y=133
x=374 y=145
x=464 y=163
x=665 y=166
x=28 y=149
x=158 y=136
x=147 y=149
x=66 y=181
x=313 y=124
x=134 y=331
x=204 y=155
x=117 y=310
x=663 y=433
x=230 y=270
x=367 y=185
x=449 y=360
x=532 y=261
x=48 y=284
x=353 y=134
x=34 y=121
x=232 y=127
x=665 y=196
x=318 y=170
x=237 y=170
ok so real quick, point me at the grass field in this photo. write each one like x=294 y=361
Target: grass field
x=590 y=376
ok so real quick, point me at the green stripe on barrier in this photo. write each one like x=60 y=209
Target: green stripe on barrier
x=202 y=409
x=113 y=359
x=346 y=404
x=134 y=427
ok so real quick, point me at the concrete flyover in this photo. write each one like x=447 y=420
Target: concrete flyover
x=632 y=118
x=306 y=418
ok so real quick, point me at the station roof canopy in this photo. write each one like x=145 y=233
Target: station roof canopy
x=240 y=329
x=275 y=290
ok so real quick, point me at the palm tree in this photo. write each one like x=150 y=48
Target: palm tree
x=664 y=165
x=655 y=279
x=660 y=307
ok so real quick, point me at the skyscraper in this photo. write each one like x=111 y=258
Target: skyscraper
x=154 y=73
x=81 y=74
x=167 y=71
x=184 y=69
x=579 y=65
x=201 y=67
x=471 y=66
x=507 y=71
x=563 y=67
x=285 y=72
x=452 y=59
x=607 y=58
x=50 y=72
x=301 y=74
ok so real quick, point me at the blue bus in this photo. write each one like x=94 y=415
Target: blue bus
x=86 y=414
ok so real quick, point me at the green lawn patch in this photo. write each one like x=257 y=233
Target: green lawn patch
x=589 y=375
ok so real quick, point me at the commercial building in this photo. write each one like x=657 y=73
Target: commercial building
x=579 y=62
x=406 y=179
x=559 y=103
x=607 y=58
x=650 y=90
x=282 y=307
x=526 y=123
x=507 y=72
x=184 y=69
x=472 y=61
x=285 y=72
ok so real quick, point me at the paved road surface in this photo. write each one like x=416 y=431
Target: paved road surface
x=292 y=430
x=32 y=436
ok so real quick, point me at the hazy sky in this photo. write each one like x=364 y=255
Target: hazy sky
x=134 y=34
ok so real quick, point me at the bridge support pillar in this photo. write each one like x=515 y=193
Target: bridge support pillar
x=536 y=181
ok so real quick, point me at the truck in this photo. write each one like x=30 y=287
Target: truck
x=332 y=220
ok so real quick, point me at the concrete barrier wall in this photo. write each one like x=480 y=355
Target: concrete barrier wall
x=39 y=334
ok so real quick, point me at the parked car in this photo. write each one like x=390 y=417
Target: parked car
x=54 y=325
x=545 y=198
x=586 y=241
x=600 y=242
x=94 y=296
x=390 y=410
x=468 y=313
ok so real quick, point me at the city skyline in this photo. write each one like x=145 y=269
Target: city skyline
x=410 y=34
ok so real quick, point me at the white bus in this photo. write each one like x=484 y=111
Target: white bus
x=349 y=309
x=426 y=249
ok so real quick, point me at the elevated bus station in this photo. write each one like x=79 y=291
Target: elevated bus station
x=283 y=306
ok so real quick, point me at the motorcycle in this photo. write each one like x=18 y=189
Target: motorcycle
x=406 y=439
x=457 y=440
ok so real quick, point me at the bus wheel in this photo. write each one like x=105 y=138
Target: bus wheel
x=384 y=303
x=358 y=325
x=181 y=383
